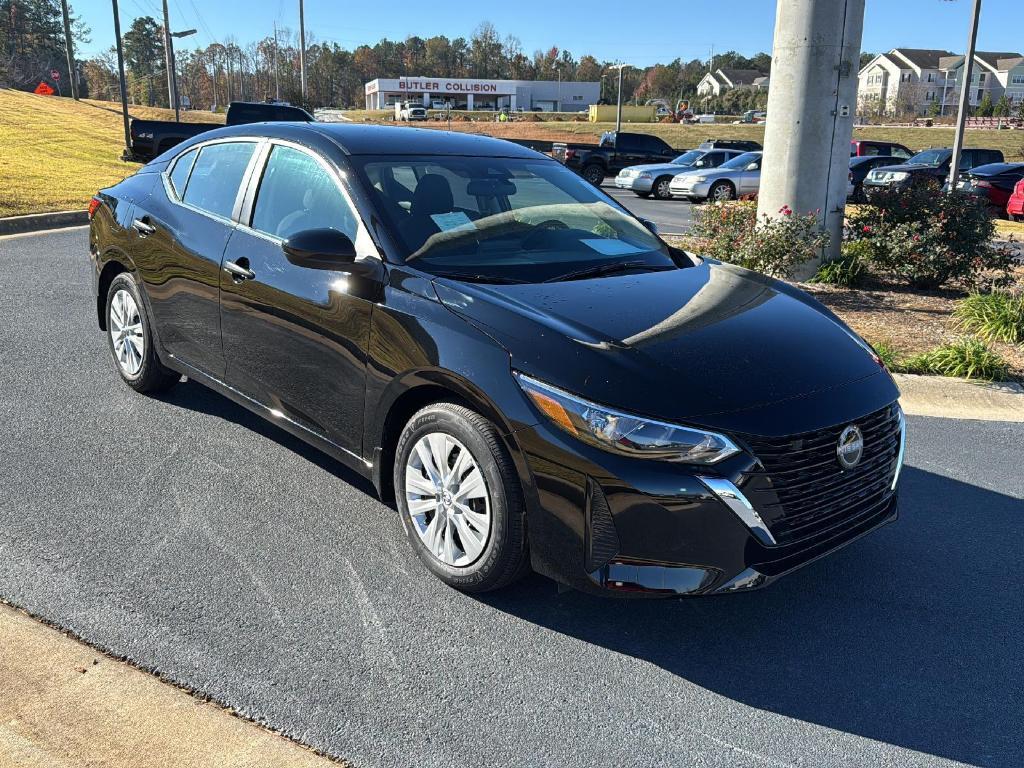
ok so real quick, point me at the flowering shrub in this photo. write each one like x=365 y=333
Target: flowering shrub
x=775 y=246
x=928 y=239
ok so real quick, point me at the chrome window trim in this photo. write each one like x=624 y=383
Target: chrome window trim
x=169 y=189
x=734 y=499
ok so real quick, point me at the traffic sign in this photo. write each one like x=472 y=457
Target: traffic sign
x=54 y=74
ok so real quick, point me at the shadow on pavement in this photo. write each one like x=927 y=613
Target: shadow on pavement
x=910 y=637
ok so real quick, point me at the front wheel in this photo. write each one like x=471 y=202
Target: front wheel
x=131 y=339
x=721 y=191
x=594 y=174
x=661 y=188
x=460 y=499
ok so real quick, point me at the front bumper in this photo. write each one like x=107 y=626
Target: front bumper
x=691 y=189
x=617 y=525
x=634 y=183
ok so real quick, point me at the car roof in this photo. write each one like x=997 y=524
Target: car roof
x=382 y=139
x=993 y=169
x=873 y=158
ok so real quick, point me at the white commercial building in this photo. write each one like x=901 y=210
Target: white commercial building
x=465 y=93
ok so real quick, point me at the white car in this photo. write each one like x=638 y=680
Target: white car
x=736 y=178
x=647 y=180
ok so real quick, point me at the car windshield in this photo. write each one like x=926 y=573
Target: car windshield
x=932 y=157
x=504 y=220
x=741 y=161
x=688 y=158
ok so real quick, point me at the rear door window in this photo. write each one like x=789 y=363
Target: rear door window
x=217 y=175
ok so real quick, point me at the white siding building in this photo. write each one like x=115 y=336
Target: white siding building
x=467 y=93
x=721 y=80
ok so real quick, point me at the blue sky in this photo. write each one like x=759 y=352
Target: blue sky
x=661 y=31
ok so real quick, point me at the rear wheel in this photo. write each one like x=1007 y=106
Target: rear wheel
x=721 y=191
x=594 y=174
x=644 y=195
x=131 y=340
x=459 y=499
x=661 y=188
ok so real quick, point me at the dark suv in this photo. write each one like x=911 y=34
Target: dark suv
x=929 y=166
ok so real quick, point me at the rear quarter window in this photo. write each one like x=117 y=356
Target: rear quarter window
x=180 y=171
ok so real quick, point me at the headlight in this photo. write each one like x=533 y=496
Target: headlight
x=699 y=179
x=622 y=433
x=898 y=175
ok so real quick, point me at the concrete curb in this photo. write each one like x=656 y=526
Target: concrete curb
x=36 y=222
x=949 y=398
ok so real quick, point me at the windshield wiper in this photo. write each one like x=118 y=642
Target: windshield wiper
x=607 y=269
x=478 y=278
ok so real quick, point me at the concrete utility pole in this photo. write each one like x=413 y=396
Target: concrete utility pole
x=965 y=97
x=70 y=51
x=121 y=79
x=302 y=51
x=815 y=61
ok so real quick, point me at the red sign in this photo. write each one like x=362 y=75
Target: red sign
x=54 y=74
x=44 y=90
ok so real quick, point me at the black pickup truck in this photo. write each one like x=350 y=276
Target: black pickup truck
x=617 y=150
x=153 y=137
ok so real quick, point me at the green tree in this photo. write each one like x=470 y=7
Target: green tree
x=985 y=107
x=144 y=61
x=1002 y=107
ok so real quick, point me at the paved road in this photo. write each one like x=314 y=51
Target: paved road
x=673 y=217
x=198 y=541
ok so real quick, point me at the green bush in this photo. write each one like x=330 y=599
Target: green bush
x=850 y=269
x=929 y=239
x=967 y=358
x=888 y=356
x=732 y=233
x=996 y=316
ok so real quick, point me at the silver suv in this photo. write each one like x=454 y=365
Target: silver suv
x=647 y=180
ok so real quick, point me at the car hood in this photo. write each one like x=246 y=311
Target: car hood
x=680 y=345
x=908 y=167
x=659 y=168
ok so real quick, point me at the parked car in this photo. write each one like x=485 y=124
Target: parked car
x=614 y=152
x=1015 y=206
x=420 y=305
x=150 y=138
x=410 y=111
x=929 y=166
x=863 y=148
x=750 y=117
x=647 y=180
x=860 y=167
x=735 y=178
x=993 y=183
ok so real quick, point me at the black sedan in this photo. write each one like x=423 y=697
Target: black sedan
x=993 y=183
x=860 y=167
x=533 y=376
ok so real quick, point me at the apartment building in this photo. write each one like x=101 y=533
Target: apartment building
x=912 y=80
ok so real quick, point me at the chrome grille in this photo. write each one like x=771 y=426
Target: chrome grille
x=800 y=489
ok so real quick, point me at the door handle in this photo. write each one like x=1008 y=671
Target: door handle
x=143 y=227
x=239 y=271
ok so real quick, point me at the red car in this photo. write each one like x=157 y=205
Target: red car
x=1015 y=206
x=863 y=148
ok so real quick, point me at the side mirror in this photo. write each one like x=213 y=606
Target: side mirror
x=650 y=225
x=320 y=249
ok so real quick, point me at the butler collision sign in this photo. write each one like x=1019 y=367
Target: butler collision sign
x=466 y=93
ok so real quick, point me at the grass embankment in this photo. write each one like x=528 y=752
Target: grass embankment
x=55 y=153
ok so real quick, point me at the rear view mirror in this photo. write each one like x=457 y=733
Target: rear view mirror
x=320 y=249
x=490 y=188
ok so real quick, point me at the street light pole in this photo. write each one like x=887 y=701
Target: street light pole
x=172 y=96
x=277 y=70
x=965 y=98
x=618 y=107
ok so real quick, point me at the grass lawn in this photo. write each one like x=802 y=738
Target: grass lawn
x=55 y=153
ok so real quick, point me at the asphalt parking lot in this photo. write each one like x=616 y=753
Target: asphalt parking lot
x=202 y=543
x=673 y=217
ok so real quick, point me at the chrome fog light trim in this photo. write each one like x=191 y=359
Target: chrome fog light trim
x=743 y=509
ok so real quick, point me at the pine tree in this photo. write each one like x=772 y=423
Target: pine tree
x=985 y=107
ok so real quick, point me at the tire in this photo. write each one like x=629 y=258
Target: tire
x=661 y=188
x=644 y=195
x=131 y=340
x=495 y=519
x=721 y=192
x=594 y=174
